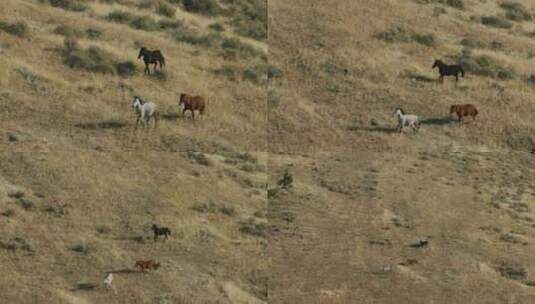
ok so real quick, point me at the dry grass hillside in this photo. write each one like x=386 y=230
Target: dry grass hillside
x=372 y=216
x=347 y=65
x=80 y=189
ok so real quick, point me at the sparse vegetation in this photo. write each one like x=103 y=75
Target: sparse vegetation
x=496 y=21
x=68 y=5
x=165 y=10
x=254 y=229
x=485 y=66
x=516 y=11
x=18 y=28
x=204 y=7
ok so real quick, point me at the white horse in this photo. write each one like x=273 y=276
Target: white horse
x=108 y=279
x=406 y=120
x=145 y=110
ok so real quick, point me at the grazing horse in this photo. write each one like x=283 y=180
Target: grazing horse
x=151 y=57
x=406 y=120
x=448 y=70
x=160 y=231
x=464 y=110
x=192 y=103
x=147 y=265
x=144 y=111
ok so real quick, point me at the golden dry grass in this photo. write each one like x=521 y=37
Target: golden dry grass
x=90 y=181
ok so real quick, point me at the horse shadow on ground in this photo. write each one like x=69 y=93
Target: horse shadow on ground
x=436 y=121
x=171 y=116
x=377 y=128
x=124 y=271
x=103 y=125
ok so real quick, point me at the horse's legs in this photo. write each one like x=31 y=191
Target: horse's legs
x=192 y=114
x=137 y=122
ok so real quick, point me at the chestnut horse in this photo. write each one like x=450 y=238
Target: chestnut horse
x=147 y=265
x=192 y=103
x=464 y=110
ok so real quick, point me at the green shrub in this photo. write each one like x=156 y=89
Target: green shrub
x=516 y=11
x=66 y=30
x=459 y=4
x=145 y=23
x=426 y=39
x=126 y=68
x=69 y=5
x=218 y=27
x=166 y=10
x=19 y=28
x=120 y=17
x=205 y=7
x=194 y=38
x=243 y=49
x=227 y=71
x=496 y=21
x=93 y=33
x=397 y=34
x=485 y=66
x=166 y=24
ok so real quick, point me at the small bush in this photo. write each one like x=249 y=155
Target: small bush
x=169 y=24
x=218 y=27
x=93 y=33
x=165 y=10
x=513 y=271
x=69 y=5
x=227 y=71
x=120 y=17
x=286 y=182
x=145 y=23
x=425 y=39
x=255 y=229
x=516 y=11
x=70 y=43
x=256 y=75
x=66 y=30
x=199 y=158
x=394 y=35
x=459 y=4
x=243 y=49
x=496 y=21
x=126 y=68
x=19 y=28
x=472 y=42
x=82 y=248
x=194 y=38
x=204 y=7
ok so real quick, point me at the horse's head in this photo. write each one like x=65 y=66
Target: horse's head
x=453 y=109
x=154 y=227
x=182 y=99
x=137 y=102
x=398 y=112
x=141 y=52
x=437 y=63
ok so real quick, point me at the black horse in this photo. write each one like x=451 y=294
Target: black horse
x=151 y=57
x=160 y=231
x=448 y=70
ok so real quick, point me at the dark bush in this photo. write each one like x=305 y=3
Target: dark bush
x=69 y=5
x=425 y=39
x=126 y=68
x=516 y=11
x=496 y=21
x=165 y=10
x=93 y=33
x=120 y=17
x=218 y=27
x=205 y=7
x=194 y=38
x=66 y=30
x=145 y=23
x=19 y=28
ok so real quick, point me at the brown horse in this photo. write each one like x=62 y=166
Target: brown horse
x=147 y=265
x=463 y=110
x=192 y=103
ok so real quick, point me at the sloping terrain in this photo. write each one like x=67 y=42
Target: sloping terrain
x=80 y=188
x=441 y=216
x=347 y=65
